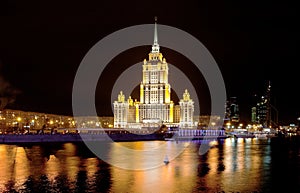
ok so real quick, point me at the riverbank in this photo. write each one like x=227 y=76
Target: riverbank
x=111 y=135
x=61 y=138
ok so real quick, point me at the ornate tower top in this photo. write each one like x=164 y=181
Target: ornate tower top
x=121 y=97
x=186 y=96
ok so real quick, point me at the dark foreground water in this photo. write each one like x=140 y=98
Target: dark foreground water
x=243 y=165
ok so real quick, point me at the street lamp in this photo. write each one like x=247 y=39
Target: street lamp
x=228 y=125
x=18 y=123
x=213 y=125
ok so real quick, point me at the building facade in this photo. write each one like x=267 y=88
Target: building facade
x=261 y=111
x=121 y=109
x=232 y=114
x=155 y=106
x=186 y=110
x=265 y=113
x=14 y=121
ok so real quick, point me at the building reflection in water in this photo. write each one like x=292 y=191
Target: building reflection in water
x=15 y=167
x=231 y=165
x=51 y=169
x=160 y=179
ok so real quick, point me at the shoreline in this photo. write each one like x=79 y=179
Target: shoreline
x=16 y=139
x=66 y=138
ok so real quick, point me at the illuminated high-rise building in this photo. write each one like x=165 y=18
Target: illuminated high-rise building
x=232 y=111
x=155 y=91
x=266 y=113
x=121 y=111
x=155 y=106
x=253 y=115
x=186 y=110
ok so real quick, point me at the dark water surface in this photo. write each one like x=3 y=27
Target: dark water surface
x=231 y=165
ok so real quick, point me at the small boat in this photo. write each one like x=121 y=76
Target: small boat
x=241 y=133
x=261 y=135
x=166 y=160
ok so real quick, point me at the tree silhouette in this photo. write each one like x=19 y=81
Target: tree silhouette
x=7 y=93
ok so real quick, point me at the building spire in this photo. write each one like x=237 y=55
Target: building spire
x=155 y=47
x=155 y=32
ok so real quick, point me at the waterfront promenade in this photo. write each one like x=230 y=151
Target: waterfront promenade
x=93 y=135
x=73 y=137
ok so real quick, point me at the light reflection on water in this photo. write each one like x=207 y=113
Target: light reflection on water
x=231 y=165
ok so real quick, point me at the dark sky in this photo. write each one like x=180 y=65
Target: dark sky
x=43 y=42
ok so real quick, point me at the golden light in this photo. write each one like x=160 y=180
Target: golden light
x=171 y=112
x=51 y=122
x=137 y=117
x=213 y=143
x=19 y=119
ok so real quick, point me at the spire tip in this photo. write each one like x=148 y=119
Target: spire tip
x=155 y=47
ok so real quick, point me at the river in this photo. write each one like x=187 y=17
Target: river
x=230 y=165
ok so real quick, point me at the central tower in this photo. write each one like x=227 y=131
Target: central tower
x=155 y=91
x=155 y=106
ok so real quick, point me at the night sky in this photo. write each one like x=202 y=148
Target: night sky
x=43 y=42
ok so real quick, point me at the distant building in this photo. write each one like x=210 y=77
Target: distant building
x=208 y=121
x=264 y=113
x=253 y=115
x=155 y=106
x=19 y=121
x=232 y=114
